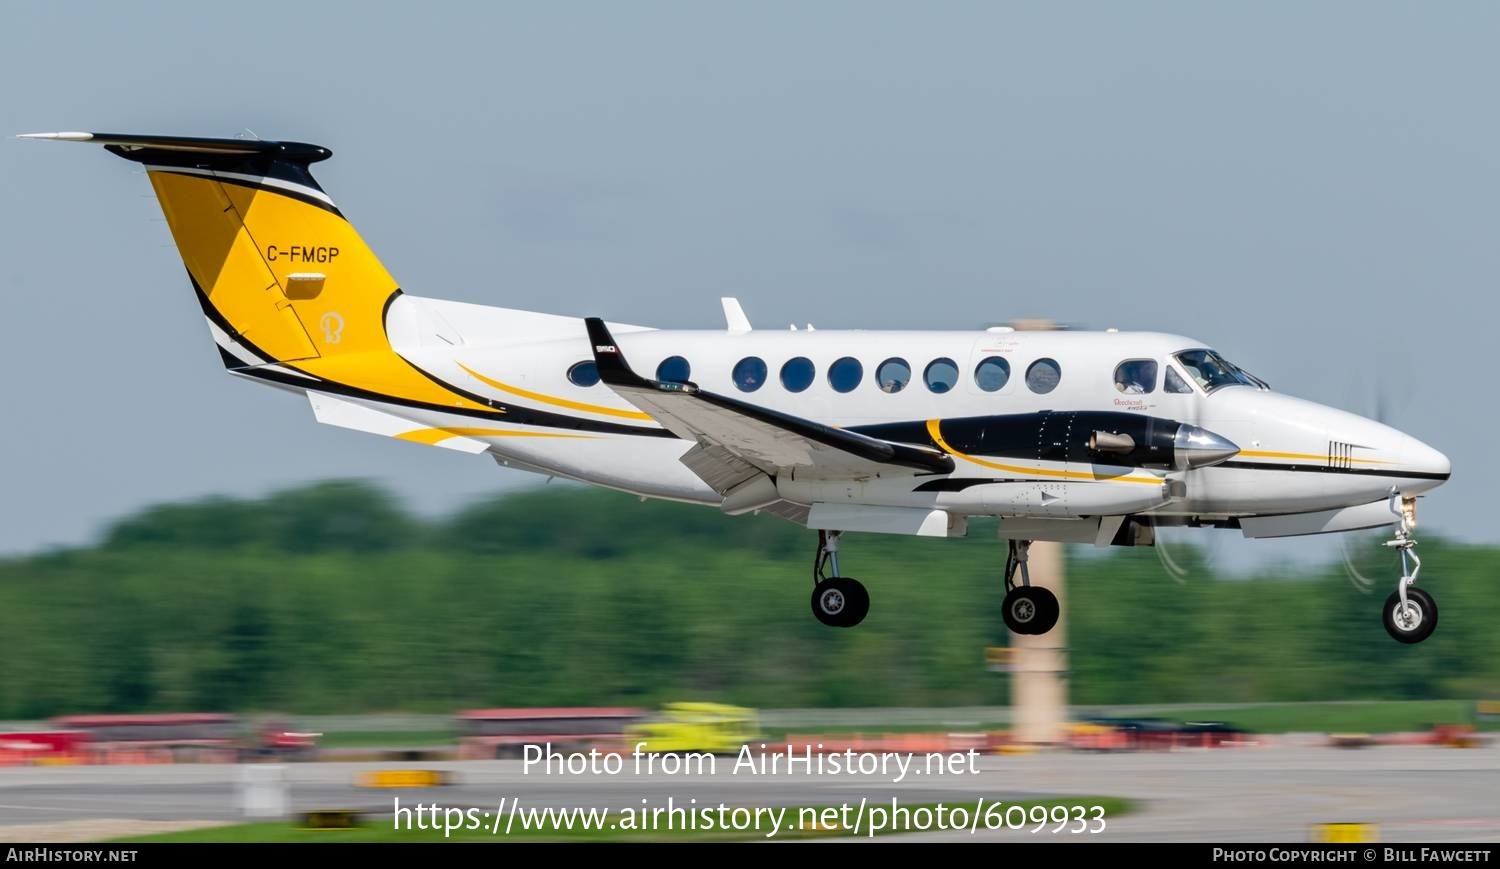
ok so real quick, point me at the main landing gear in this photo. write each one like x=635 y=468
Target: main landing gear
x=1027 y=609
x=837 y=601
x=1410 y=614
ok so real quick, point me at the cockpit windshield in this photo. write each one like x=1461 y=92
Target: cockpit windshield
x=1213 y=371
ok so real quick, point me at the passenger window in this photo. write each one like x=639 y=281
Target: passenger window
x=1136 y=376
x=1043 y=376
x=750 y=373
x=941 y=375
x=844 y=374
x=1174 y=383
x=584 y=374
x=674 y=369
x=797 y=374
x=892 y=375
x=992 y=374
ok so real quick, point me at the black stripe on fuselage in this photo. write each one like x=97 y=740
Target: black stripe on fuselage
x=1321 y=469
x=511 y=414
x=545 y=418
x=497 y=410
x=1046 y=435
x=959 y=484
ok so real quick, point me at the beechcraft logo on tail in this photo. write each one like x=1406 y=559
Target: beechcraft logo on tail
x=332 y=324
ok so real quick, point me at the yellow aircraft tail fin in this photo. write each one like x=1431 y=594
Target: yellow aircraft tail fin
x=291 y=292
x=278 y=269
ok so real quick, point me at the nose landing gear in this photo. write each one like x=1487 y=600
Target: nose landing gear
x=1027 y=609
x=837 y=601
x=1410 y=614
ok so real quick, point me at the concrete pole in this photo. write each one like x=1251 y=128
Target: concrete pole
x=1039 y=678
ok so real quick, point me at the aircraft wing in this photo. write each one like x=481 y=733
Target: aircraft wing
x=769 y=440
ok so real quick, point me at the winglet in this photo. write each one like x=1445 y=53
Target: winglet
x=613 y=369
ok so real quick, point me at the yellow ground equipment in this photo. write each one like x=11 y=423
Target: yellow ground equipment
x=708 y=727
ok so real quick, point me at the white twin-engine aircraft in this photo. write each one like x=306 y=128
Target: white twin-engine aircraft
x=1079 y=437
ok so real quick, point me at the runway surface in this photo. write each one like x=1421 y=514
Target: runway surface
x=1251 y=794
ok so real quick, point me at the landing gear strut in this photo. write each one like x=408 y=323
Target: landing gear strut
x=1410 y=614
x=837 y=601
x=1027 y=609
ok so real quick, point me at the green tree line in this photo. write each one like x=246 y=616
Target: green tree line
x=333 y=598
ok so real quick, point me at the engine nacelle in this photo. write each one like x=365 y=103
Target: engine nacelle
x=1070 y=499
x=1064 y=499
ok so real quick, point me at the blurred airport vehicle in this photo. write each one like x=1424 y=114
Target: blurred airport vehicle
x=1351 y=740
x=275 y=739
x=330 y=819
x=1064 y=436
x=716 y=728
x=158 y=737
x=165 y=738
x=498 y=733
x=405 y=778
x=1345 y=834
x=42 y=747
x=1153 y=734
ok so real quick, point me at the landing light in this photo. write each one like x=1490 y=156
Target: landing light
x=1409 y=510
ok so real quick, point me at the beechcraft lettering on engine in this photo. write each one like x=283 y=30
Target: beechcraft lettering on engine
x=1070 y=436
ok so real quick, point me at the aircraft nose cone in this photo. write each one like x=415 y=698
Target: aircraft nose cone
x=1196 y=447
x=1424 y=460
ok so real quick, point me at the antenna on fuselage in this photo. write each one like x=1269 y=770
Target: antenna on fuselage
x=734 y=316
x=1035 y=325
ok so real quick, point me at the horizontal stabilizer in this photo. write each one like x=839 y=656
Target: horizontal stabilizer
x=352 y=415
x=142 y=148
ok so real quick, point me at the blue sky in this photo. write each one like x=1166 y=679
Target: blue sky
x=1311 y=188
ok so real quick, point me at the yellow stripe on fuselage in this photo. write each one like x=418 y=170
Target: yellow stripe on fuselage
x=553 y=400
x=433 y=436
x=935 y=431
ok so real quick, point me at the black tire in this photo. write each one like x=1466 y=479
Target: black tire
x=1048 y=610
x=1417 y=626
x=840 y=602
x=1030 y=610
x=859 y=600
